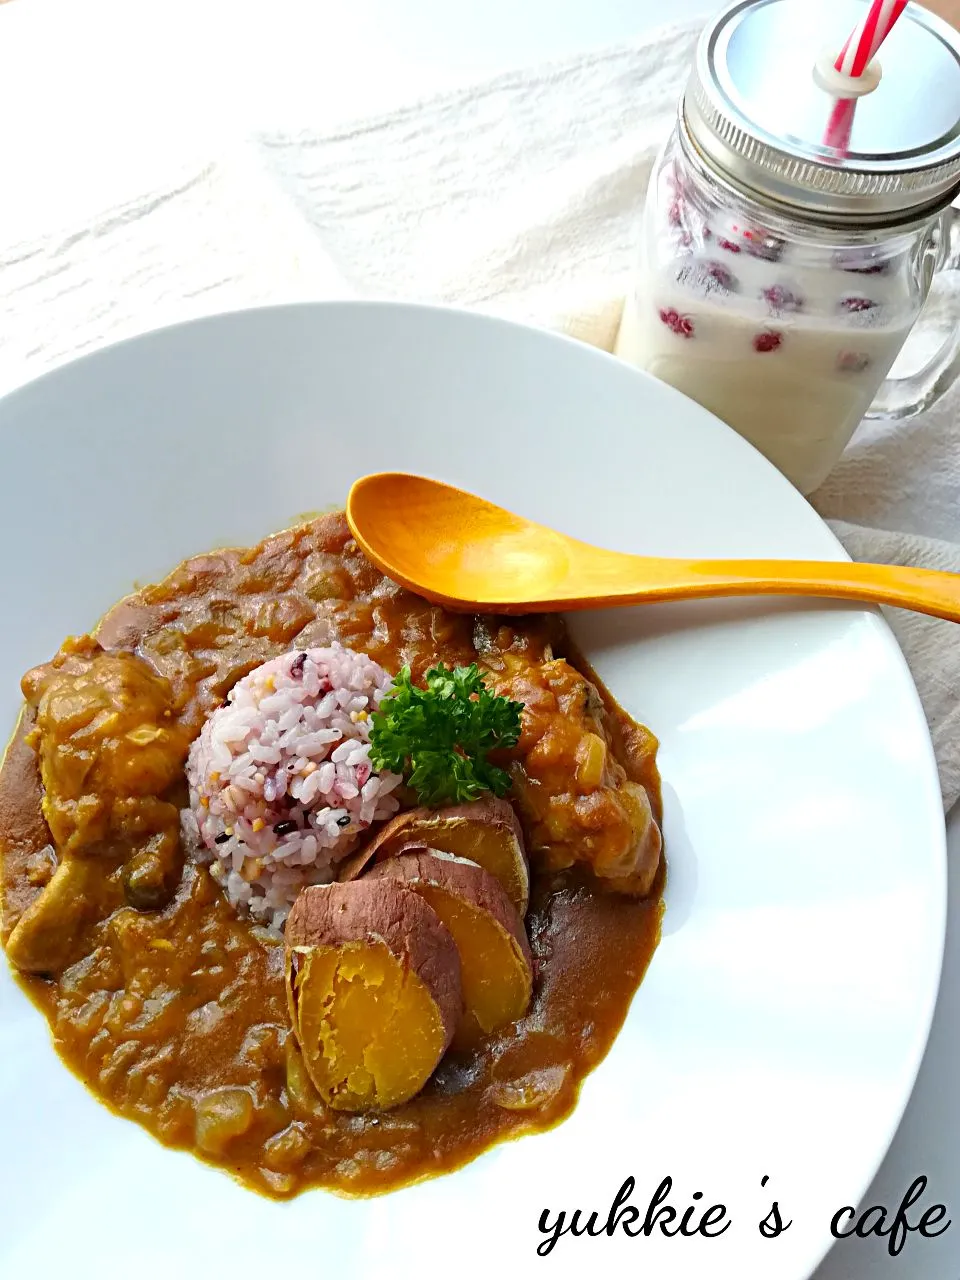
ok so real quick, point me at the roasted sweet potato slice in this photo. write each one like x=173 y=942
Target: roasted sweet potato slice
x=495 y=962
x=486 y=831
x=373 y=988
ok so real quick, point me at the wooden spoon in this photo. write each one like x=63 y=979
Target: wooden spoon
x=457 y=550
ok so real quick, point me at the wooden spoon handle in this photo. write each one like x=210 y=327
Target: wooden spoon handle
x=923 y=590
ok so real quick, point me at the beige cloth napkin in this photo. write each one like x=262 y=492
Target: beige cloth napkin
x=519 y=196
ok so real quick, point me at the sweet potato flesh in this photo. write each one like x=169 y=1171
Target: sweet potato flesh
x=370 y=1031
x=490 y=845
x=496 y=978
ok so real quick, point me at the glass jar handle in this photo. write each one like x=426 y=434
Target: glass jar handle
x=905 y=396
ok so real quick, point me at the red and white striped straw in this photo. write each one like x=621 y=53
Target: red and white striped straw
x=856 y=55
x=864 y=41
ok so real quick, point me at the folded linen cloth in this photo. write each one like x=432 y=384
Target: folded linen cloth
x=518 y=196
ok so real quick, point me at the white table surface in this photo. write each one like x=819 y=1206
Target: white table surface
x=81 y=78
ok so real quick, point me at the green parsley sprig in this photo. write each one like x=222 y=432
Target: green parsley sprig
x=439 y=737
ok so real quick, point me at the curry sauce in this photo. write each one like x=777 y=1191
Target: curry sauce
x=173 y=1011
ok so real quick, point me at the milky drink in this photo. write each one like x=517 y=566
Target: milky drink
x=779 y=277
x=789 y=353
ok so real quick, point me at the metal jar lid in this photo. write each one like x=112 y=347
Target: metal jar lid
x=755 y=112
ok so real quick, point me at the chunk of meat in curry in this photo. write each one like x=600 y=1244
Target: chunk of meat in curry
x=170 y=1006
x=578 y=802
x=109 y=749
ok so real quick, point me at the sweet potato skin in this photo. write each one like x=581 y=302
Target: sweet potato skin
x=392 y=832
x=478 y=890
x=426 y=828
x=331 y=914
x=464 y=878
x=373 y=991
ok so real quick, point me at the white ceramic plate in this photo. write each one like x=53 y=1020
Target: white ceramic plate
x=782 y=1022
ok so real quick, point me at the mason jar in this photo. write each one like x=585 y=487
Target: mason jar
x=780 y=276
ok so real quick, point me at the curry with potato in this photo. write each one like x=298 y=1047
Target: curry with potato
x=270 y=923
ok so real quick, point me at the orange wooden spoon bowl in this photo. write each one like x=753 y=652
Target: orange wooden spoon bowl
x=460 y=551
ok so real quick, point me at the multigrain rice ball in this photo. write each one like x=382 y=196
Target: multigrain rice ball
x=281 y=784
